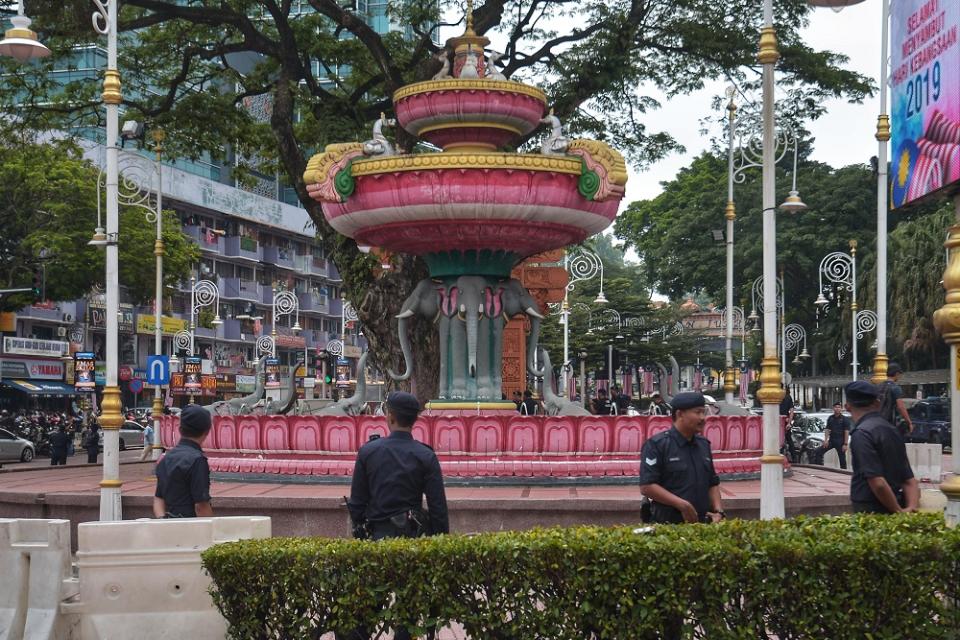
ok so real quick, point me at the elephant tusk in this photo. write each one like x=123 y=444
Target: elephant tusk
x=404 y=314
x=480 y=311
x=463 y=308
x=533 y=312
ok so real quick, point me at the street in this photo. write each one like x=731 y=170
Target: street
x=79 y=458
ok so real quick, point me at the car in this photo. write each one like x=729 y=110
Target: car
x=931 y=421
x=15 y=448
x=814 y=426
x=131 y=435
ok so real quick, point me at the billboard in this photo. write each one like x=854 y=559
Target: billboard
x=925 y=98
x=84 y=365
x=192 y=369
x=272 y=373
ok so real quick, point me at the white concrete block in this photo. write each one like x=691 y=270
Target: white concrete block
x=914 y=458
x=831 y=459
x=143 y=579
x=35 y=574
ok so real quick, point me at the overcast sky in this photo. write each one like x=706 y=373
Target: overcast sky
x=844 y=135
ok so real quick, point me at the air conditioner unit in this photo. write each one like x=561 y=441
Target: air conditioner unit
x=67 y=317
x=61 y=332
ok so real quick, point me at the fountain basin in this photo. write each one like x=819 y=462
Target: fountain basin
x=478 y=114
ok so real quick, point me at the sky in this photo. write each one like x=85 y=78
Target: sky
x=844 y=135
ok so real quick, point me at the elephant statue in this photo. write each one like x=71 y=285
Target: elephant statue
x=553 y=404
x=285 y=403
x=240 y=406
x=352 y=406
x=517 y=300
x=425 y=302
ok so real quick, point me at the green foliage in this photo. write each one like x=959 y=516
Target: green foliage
x=845 y=578
x=48 y=205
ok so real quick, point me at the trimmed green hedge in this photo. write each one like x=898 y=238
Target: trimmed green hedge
x=852 y=577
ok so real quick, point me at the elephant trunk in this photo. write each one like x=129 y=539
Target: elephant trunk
x=472 y=318
x=675 y=382
x=532 y=344
x=405 y=347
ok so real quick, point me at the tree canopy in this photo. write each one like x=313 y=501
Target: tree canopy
x=328 y=74
x=48 y=204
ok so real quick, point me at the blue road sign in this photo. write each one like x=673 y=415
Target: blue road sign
x=158 y=370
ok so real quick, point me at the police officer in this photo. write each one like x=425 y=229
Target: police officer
x=676 y=467
x=837 y=434
x=59 y=445
x=882 y=480
x=183 y=475
x=392 y=475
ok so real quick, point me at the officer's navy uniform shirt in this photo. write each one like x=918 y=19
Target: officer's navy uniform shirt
x=682 y=467
x=183 y=479
x=878 y=452
x=59 y=443
x=392 y=475
x=836 y=425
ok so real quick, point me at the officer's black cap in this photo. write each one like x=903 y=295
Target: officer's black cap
x=894 y=369
x=195 y=419
x=862 y=392
x=403 y=404
x=689 y=400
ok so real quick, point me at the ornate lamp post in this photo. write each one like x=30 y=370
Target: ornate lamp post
x=841 y=269
x=581 y=264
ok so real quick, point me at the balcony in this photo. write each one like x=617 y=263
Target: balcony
x=332 y=272
x=311 y=266
x=316 y=339
x=283 y=258
x=238 y=289
x=336 y=307
x=230 y=329
x=311 y=302
x=242 y=247
x=205 y=238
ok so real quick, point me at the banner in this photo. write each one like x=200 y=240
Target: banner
x=168 y=325
x=272 y=369
x=192 y=370
x=34 y=347
x=84 y=365
x=925 y=98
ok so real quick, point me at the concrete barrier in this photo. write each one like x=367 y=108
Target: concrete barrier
x=35 y=577
x=926 y=460
x=831 y=459
x=143 y=578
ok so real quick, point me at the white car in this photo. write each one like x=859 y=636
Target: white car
x=131 y=435
x=15 y=448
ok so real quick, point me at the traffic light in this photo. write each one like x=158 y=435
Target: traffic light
x=37 y=285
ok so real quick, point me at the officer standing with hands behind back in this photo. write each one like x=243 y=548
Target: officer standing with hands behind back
x=392 y=475
x=183 y=474
x=676 y=468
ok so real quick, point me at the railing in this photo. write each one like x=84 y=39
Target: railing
x=242 y=247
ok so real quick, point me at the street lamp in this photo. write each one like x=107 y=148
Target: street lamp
x=841 y=269
x=581 y=264
x=21 y=42
x=795 y=337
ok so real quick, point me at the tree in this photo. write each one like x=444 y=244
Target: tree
x=48 y=203
x=208 y=57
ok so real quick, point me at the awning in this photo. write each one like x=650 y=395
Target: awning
x=928 y=376
x=41 y=387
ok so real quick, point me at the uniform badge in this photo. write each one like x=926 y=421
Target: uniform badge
x=652 y=462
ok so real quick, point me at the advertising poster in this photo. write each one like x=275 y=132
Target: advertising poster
x=176 y=384
x=272 y=369
x=84 y=366
x=192 y=370
x=209 y=384
x=343 y=373
x=925 y=98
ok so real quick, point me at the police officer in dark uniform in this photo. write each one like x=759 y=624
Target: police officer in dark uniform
x=676 y=467
x=882 y=480
x=183 y=474
x=837 y=434
x=59 y=445
x=392 y=475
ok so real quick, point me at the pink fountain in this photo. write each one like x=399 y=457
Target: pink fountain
x=473 y=209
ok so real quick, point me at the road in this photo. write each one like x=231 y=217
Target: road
x=80 y=458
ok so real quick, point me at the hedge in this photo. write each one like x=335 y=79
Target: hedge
x=852 y=577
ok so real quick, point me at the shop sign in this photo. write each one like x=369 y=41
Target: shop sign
x=245 y=383
x=208 y=385
x=168 y=325
x=36 y=369
x=84 y=365
x=192 y=370
x=272 y=372
x=97 y=317
x=33 y=347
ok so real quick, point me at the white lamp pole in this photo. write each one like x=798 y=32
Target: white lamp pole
x=841 y=269
x=880 y=360
x=770 y=392
x=158 y=251
x=105 y=23
x=729 y=375
x=581 y=264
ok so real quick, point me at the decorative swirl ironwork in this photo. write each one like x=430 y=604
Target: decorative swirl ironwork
x=582 y=264
x=837 y=267
x=335 y=347
x=286 y=303
x=181 y=340
x=866 y=322
x=265 y=345
x=634 y=322
x=757 y=294
x=614 y=317
x=101 y=17
x=793 y=336
x=842 y=352
x=349 y=313
x=750 y=143
x=205 y=293
x=739 y=323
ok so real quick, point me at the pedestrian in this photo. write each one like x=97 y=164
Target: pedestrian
x=676 y=467
x=882 y=480
x=891 y=402
x=529 y=406
x=59 y=445
x=91 y=442
x=658 y=406
x=619 y=400
x=786 y=411
x=601 y=404
x=183 y=475
x=390 y=479
x=517 y=399
x=837 y=434
x=147 y=441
